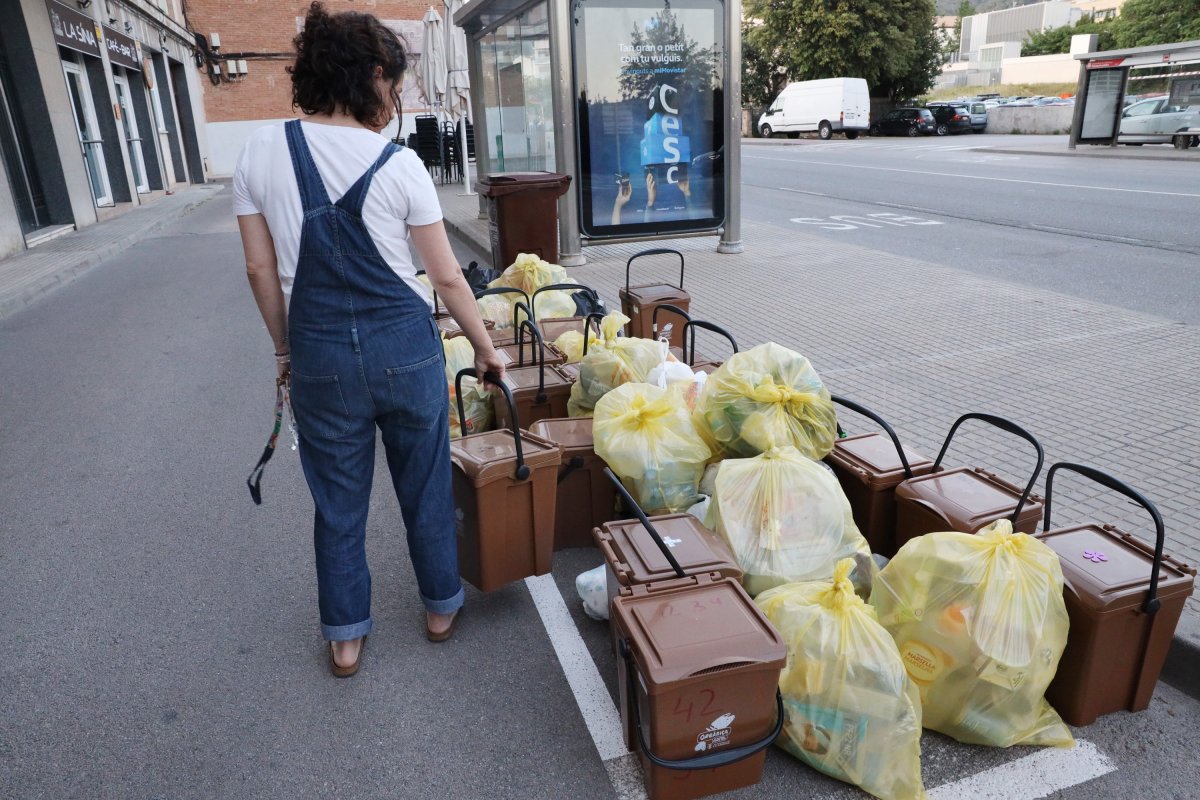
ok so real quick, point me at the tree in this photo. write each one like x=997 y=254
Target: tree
x=965 y=9
x=1147 y=22
x=892 y=45
x=662 y=43
x=1058 y=40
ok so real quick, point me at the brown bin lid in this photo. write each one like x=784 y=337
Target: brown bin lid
x=502 y=183
x=1108 y=569
x=695 y=547
x=492 y=456
x=679 y=632
x=528 y=377
x=570 y=433
x=875 y=454
x=658 y=293
x=968 y=497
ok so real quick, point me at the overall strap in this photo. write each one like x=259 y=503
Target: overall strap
x=356 y=195
x=312 y=188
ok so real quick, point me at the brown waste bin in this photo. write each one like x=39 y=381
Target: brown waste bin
x=504 y=493
x=638 y=302
x=1124 y=599
x=664 y=319
x=538 y=391
x=870 y=466
x=698 y=670
x=966 y=499
x=452 y=330
x=523 y=214
x=586 y=497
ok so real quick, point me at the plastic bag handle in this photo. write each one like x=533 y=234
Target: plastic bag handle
x=672 y=309
x=710 y=761
x=562 y=287
x=866 y=412
x=655 y=251
x=501 y=290
x=689 y=354
x=1004 y=425
x=586 y=323
x=538 y=354
x=646 y=523
x=522 y=469
x=1108 y=481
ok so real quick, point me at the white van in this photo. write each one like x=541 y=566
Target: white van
x=825 y=106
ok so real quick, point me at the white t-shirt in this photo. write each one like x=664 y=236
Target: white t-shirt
x=401 y=193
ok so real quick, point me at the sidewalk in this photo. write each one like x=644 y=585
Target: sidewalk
x=30 y=275
x=1016 y=146
x=922 y=344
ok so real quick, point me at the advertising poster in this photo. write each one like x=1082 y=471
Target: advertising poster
x=649 y=113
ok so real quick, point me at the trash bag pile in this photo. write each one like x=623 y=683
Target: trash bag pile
x=529 y=273
x=477 y=403
x=614 y=361
x=981 y=623
x=852 y=710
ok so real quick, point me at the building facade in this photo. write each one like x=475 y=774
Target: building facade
x=100 y=110
x=1100 y=10
x=1012 y=25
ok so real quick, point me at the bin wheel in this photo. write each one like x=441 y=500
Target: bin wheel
x=766 y=131
x=825 y=130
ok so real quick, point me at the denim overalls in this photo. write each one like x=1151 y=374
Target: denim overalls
x=366 y=352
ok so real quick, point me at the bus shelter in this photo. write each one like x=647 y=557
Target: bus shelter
x=1142 y=95
x=637 y=100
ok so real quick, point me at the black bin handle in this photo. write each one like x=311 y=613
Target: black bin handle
x=646 y=523
x=689 y=352
x=587 y=323
x=710 y=761
x=538 y=354
x=1004 y=425
x=501 y=290
x=866 y=412
x=654 y=251
x=562 y=287
x=668 y=307
x=1104 y=479
x=522 y=472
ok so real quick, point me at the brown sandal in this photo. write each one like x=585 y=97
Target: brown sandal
x=446 y=634
x=345 y=672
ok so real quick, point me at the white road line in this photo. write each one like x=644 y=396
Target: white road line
x=1038 y=775
x=972 y=177
x=595 y=703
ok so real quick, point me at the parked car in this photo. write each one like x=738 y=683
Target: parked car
x=1154 y=121
x=905 y=122
x=951 y=119
x=978 y=112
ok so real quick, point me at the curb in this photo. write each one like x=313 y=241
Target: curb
x=1182 y=668
x=461 y=233
x=1084 y=154
x=83 y=262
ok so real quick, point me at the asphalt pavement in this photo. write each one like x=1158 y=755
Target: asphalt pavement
x=160 y=631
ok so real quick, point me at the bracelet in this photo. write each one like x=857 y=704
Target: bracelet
x=283 y=357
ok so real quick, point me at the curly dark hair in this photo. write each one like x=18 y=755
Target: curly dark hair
x=336 y=57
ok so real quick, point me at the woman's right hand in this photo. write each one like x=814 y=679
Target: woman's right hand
x=488 y=362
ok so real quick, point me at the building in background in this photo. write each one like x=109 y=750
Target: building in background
x=1011 y=25
x=246 y=48
x=99 y=110
x=1100 y=10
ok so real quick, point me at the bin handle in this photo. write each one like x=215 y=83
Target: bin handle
x=1004 y=425
x=518 y=307
x=575 y=464
x=710 y=761
x=1104 y=479
x=522 y=469
x=689 y=354
x=586 y=323
x=562 y=287
x=538 y=353
x=654 y=251
x=671 y=308
x=501 y=290
x=866 y=412
x=646 y=523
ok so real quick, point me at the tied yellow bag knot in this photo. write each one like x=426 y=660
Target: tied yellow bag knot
x=645 y=416
x=615 y=361
x=981 y=624
x=611 y=326
x=570 y=344
x=852 y=711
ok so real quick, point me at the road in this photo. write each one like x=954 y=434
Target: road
x=1120 y=231
x=159 y=631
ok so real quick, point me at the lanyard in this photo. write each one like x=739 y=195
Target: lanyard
x=283 y=399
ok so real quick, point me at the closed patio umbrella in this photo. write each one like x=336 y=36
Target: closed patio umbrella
x=458 y=82
x=432 y=74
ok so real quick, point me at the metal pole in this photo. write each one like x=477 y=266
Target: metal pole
x=731 y=236
x=569 y=242
x=1080 y=104
x=1120 y=107
x=474 y=70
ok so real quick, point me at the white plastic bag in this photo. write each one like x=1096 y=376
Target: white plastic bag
x=593 y=591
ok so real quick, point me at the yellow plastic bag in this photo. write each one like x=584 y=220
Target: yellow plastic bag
x=477 y=404
x=852 y=710
x=616 y=360
x=764 y=396
x=784 y=516
x=647 y=439
x=530 y=273
x=981 y=623
x=570 y=344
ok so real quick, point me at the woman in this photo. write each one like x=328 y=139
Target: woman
x=327 y=207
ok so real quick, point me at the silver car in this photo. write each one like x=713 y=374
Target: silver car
x=978 y=111
x=1153 y=121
